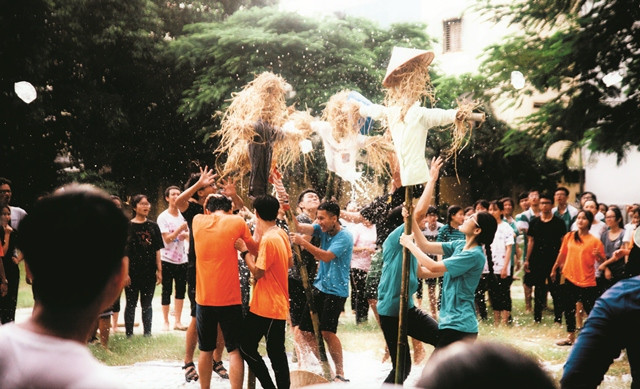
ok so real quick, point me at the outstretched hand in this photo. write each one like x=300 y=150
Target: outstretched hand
x=207 y=177
x=229 y=187
x=436 y=165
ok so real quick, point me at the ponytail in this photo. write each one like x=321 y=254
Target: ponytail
x=488 y=226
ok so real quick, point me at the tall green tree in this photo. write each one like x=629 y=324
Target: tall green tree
x=569 y=47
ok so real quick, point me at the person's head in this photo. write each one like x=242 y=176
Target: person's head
x=591 y=206
x=88 y=233
x=613 y=217
x=584 y=220
x=217 y=202
x=171 y=194
x=587 y=196
x=496 y=209
x=546 y=202
x=5 y=215
x=116 y=200
x=429 y=219
x=523 y=201
x=5 y=191
x=482 y=365
x=468 y=211
x=266 y=207
x=140 y=205
x=481 y=227
x=602 y=208
x=635 y=217
x=455 y=215
x=561 y=196
x=481 y=205
x=507 y=203
x=308 y=200
x=328 y=216
x=202 y=192
x=534 y=197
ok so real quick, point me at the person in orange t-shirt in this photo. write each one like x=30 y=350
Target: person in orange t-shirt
x=577 y=257
x=218 y=295
x=269 y=305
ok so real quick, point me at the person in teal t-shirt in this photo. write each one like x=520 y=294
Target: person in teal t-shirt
x=420 y=325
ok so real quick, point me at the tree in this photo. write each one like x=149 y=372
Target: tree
x=569 y=46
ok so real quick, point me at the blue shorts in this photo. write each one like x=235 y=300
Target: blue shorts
x=230 y=319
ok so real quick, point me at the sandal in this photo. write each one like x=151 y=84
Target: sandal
x=218 y=367
x=339 y=378
x=564 y=342
x=190 y=373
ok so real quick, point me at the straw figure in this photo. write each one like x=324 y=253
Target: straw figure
x=407 y=82
x=259 y=131
x=343 y=141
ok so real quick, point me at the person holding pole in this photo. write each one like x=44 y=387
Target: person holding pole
x=419 y=325
x=461 y=271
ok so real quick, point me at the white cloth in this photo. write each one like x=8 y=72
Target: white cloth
x=17 y=214
x=363 y=236
x=410 y=135
x=30 y=360
x=176 y=251
x=340 y=156
x=504 y=237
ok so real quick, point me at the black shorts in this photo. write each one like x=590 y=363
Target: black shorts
x=230 y=319
x=329 y=308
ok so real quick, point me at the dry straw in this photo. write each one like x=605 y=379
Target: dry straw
x=408 y=84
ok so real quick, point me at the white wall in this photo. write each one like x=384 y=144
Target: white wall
x=613 y=184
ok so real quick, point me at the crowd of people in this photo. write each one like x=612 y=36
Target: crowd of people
x=241 y=270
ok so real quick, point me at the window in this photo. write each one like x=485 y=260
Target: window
x=452 y=35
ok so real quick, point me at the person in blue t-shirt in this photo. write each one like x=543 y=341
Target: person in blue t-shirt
x=331 y=286
x=461 y=270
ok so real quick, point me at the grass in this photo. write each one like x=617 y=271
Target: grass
x=535 y=340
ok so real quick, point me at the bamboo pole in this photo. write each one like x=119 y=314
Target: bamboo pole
x=403 y=345
x=324 y=362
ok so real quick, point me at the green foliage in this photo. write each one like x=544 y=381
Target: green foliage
x=568 y=46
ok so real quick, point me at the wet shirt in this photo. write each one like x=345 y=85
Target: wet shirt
x=333 y=276
x=391 y=278
x=464 y=268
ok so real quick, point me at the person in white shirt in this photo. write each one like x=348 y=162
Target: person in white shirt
x=175 y=233
x=74 y=243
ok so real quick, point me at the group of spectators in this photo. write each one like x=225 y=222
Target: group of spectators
x=237 y=268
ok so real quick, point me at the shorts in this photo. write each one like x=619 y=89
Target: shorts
x=373 y=276
x=500 y=293
x=297 y=301
x=528 y=279
x=329 y=308
x=230 y=319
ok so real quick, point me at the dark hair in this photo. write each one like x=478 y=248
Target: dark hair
x=135 y=200
x=304 y=192
x=3 y=206
x=616 y=211
x=168 y=190
x=547 y=195
x=594 y=201
x=467 y=209
x=218 y=202
x=432 y=210
x=482 y=365
x=589 y=216
x=563 y=189
x=593 y=196
x=89 y=233
x=331 y=207
x=488 y=226
x=266 y=207
x=523 y=195
x=5 y=181
x=484 y=203
x=451 y=212
x=191 y=181
x=497 y=203
x=507 y=199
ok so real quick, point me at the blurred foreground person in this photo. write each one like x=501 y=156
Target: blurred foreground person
x=483 y=365
x=89 y=233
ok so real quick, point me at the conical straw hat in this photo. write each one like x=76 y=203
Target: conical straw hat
x=402 y=55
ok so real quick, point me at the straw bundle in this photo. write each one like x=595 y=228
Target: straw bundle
x=461 y=129
x=343 y=115
x=408 y=84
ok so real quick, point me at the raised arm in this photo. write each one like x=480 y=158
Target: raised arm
x=424 y=260
x=229 y=189
x=427 y=196
x=207 y=177
x=323 y=255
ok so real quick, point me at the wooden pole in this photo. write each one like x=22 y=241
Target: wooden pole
x=326 y=369
x=403 y=345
